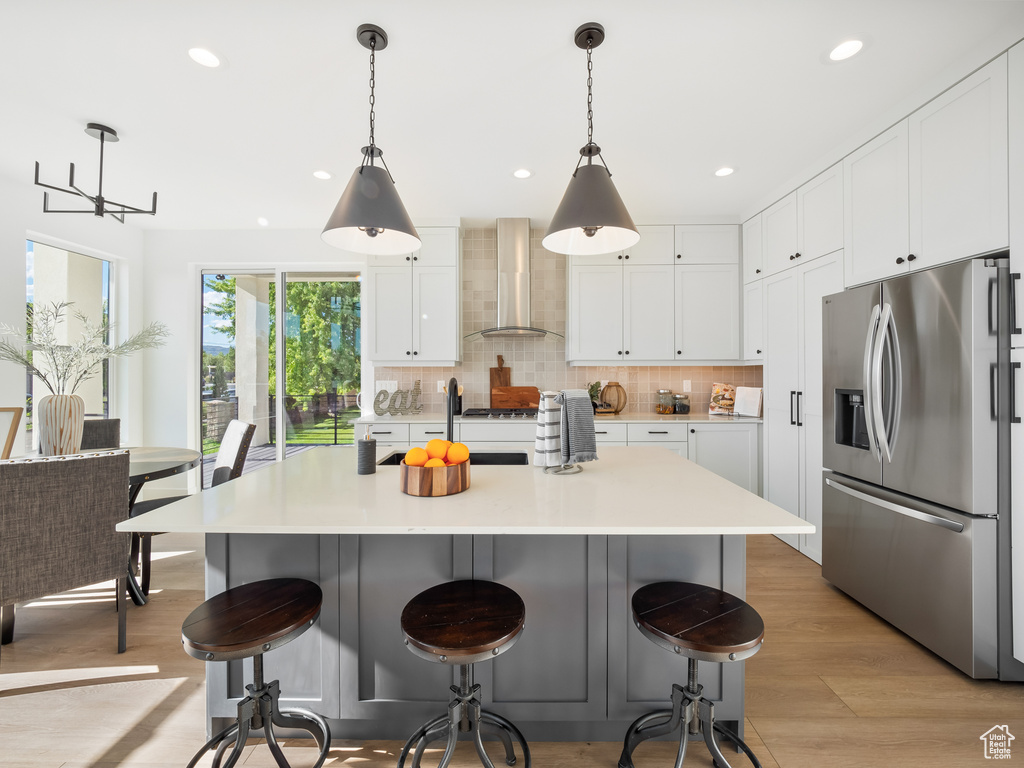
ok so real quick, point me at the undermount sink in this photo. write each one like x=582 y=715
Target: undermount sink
x=480 y=458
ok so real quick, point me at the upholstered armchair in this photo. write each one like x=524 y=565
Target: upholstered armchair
x=57 y=519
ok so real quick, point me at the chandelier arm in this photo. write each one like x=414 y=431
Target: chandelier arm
x=77 y=191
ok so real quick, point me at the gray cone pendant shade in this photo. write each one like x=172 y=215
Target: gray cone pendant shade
x=370 y=217
x=591 y=218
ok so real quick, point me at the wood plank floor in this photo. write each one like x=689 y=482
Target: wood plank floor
x=832 y=686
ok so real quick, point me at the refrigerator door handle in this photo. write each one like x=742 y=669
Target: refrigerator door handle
x=799 y=409
x=899 y=509
x=869 y=422
x=1014 y=418
x=897 y=401
x=876 y=415
x=792 y=412
x=1014 y=277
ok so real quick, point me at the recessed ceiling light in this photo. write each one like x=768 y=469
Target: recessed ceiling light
x=522 y=173
x=203 y=57
x=846 y=50
x=322 y=175
x=262 y=221
x=723 y=172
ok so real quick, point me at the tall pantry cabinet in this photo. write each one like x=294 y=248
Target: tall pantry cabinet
x=793 y=424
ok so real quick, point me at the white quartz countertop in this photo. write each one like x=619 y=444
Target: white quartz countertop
x=628 y=491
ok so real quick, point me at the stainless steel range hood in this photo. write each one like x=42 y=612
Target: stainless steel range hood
x=513 y=283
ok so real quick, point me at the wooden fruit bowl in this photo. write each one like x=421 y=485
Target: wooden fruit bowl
x=433 y=481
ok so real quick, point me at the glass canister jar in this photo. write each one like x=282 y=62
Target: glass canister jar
x=664 y=403
x=681 y=403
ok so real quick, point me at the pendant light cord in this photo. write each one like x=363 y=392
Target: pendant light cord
x=590 y=92
x=373 y=46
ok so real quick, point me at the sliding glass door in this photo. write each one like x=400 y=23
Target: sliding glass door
x=309 y=396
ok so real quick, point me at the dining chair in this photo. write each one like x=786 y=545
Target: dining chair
x=234 y=447
x=101 y=433
x=10 y=418
x=57 y=530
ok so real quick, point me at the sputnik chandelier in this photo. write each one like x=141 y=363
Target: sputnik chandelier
x=101 y=206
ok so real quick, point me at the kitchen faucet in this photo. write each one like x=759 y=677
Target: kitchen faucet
x=453 y=394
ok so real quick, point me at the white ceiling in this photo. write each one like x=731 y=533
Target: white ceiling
x=467 y=91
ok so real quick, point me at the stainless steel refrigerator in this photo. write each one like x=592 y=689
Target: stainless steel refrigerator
x=915 y=503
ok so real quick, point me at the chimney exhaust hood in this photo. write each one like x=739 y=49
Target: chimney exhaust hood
x=513 y=284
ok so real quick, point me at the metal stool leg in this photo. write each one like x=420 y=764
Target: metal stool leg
x=493 y=729
x=509 y=728
x=652 y=725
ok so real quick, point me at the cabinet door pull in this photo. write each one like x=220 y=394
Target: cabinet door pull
x=663 y=432
x=899 y=259
x=791 y=257
x=378 y=432
x=415 y=353
x=620 y=257
x=620 y=351
x=792 y=396
x=693 y=431
x=438 y=432
x=627 y=351
x=596 y=432
x=798 y=255
x=759 y=351
x=911 y=257
x=679 y=351
x=757 y=271
x=415 y=258
x=627 y=256
x=679 y=255
x=408 y=258
x=408 y=352
x=1014 y=418
x=1014 y=277
x=799 y=405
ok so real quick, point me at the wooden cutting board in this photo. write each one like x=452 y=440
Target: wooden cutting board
x=515 y=397
x=500 y=377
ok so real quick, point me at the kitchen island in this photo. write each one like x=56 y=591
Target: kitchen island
x=574 y=547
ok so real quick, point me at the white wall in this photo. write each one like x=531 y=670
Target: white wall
x=23 y=219
x=174 y=261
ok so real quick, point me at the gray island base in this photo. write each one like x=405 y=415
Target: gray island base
x=575 y=548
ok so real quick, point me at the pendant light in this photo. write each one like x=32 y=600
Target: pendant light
x=370 y=218
x=591 y=218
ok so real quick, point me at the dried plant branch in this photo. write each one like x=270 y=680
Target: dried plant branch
x=64 y=367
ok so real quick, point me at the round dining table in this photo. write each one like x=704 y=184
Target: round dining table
x=147 y=463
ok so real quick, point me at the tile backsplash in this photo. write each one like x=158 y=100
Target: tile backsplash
x=540 y=362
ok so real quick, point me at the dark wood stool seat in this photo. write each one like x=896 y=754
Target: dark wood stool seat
x=247 y=621
x=250 y=619
x=703 y=624
x=697 y=621
x=462 y=622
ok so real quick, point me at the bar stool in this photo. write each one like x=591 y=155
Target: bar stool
x=703 y=624
x=249 y=621
x=461 y=623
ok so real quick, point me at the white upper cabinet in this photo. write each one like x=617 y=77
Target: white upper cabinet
x=621 y=313
x=958 y=170
x=752 y=262
x=753 y=320
x=656 y=246
x=1015 y=86
x=779 y=235
x=819 y=214
x=412 y=312
x=707 y=312
x=933 y=188
x=877 y=231
x=707 y=244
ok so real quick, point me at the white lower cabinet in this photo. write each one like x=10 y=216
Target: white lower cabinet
x=389 y=435
x=671 y=435
x=510 y=433
x=729 y=450
x=793 y=413
x=608 y=434
x=420 y=434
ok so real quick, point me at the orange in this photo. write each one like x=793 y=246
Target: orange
x=457 y=453
x=434 y=463
x=437 y=448
x=416 y=457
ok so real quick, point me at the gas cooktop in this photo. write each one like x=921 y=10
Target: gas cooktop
x=500 y=413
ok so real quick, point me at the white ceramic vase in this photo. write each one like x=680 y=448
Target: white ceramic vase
x=59 y=419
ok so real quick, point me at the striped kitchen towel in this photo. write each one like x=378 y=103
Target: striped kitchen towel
x=579 y=442
x=548 y=448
